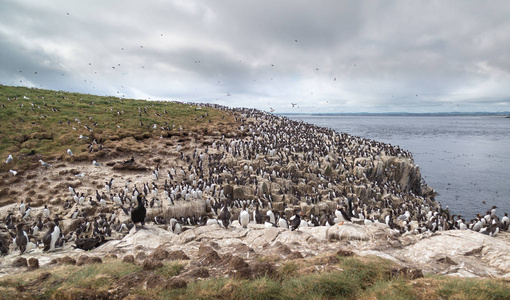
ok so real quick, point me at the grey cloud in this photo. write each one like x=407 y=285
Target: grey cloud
x=349 y=55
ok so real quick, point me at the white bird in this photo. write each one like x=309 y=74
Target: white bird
x=70 y=152
x=13 y=172
x=9 y=159
x=80 y=175
x=95 y=163
x=44 y=164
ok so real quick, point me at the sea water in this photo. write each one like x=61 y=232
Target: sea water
x=466 y=159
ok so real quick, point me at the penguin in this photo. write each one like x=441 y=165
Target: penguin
x=244 y=217
x=138 y=214
x=21 y=237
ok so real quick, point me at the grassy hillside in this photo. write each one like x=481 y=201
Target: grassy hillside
x=44 y=124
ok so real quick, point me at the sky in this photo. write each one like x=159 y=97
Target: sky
x=288 y=56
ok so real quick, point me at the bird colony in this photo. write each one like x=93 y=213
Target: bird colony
x=269 y=170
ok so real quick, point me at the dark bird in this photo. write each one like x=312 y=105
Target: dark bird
x=138 y=214
x=225 y=215
x=21 y=238
x=89 y=243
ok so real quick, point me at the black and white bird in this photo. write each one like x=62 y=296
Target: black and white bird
x=46 y=211
x=296 y=220
x=225 y=215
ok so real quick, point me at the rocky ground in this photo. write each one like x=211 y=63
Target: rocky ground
x=288 y=178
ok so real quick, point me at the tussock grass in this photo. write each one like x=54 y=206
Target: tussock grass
x=353 y=278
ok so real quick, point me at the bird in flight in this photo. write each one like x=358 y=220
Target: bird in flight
x=293 y=104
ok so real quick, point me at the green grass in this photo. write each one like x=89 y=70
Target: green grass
x=355 y=278
x=39 y=123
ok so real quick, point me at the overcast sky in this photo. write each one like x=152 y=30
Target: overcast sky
x=322 y=56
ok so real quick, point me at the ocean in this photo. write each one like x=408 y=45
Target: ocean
x=466 y=159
